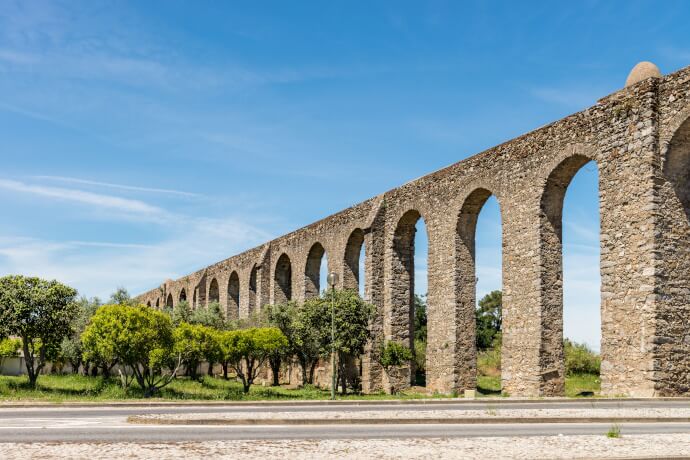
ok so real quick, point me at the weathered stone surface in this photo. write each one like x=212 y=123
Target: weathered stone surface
x=639 y=138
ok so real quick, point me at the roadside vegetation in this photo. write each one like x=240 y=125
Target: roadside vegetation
x=122 y=350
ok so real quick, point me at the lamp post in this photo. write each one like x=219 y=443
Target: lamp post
x=332 y=281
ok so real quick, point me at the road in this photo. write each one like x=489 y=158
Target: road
x=108 y=424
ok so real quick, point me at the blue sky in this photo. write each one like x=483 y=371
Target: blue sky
x=143 y=140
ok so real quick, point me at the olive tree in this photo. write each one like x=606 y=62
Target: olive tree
x=40 y=313
x=140 y=338
x=194 y=343
x=246 y=350
x=352 y=318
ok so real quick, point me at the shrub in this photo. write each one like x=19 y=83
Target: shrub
x=420 y=355
x=580 y=359
x=394 y=354
x=140 y=338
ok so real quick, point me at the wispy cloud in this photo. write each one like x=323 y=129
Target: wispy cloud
x=80 y=196
x=73 y=180
x=96 y=268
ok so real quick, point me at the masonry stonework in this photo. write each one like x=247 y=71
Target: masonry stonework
x=639 y=138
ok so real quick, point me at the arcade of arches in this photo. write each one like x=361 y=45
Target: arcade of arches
x=639 y=139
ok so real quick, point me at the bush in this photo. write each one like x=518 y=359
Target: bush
x=394 y=354
x=580 y=359
x=420 y=356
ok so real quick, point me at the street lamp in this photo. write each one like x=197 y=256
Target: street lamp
x=332 y=281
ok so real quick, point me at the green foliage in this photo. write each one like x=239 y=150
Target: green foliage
x=211 y=316
x=70 y=348
x=300 y=325
x=420 y=356
x=420 y=318
x=488 y=316
x=9 y=348
x=246 y=350
x=195 y=343
x=139 y=337
x=121 y=297
x=394 y=354
x=614 y=431
x=580 y=359
x=40 y=313
x=181 y=312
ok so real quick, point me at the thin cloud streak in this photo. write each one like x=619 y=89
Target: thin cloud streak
x=73 y=180
x=79 y=196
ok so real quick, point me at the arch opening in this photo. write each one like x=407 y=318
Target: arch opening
x=183 y=295
x=282 y=280
x=354 y=276
x=213 y=291
x=479 y=285
x=233 y=308
x=253 y=294
x=571 y=285
x=410 y=256
x=169 y=301
x=313 y=277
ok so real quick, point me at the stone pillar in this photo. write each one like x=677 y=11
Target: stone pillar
x=372 y=372
x=450 y=353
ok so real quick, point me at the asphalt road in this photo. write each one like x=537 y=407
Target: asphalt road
x=109 y=424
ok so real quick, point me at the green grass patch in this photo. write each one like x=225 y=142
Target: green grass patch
x=582 y=385
x=61 y=388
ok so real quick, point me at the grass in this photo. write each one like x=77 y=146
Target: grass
x=62 y=388
x=614 y=431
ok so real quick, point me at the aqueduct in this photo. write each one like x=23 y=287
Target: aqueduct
x=639 y=138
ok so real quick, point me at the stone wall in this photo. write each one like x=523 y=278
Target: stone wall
x=639 y=138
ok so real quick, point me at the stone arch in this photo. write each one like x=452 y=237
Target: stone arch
x=402 y=287
x=677 y=165
x=213 y=291
x=233 y=307
x=312 y=271
x=148 y=304
x=158 y=302
x=169 y=301
x=353 y=250
x=551 y=357
x=253 y=297
x=183 y=295
x=282 y=280
x=672 y=349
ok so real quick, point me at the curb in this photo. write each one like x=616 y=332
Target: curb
x=139 y=420
x=321 y=402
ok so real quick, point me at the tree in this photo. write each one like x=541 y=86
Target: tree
x=211 y=315
x=181 y=312
x=488 y=316
x=246 y=350
x=121 y=297
x=352 y=318
x=307 y=327
x=141 y=338
x=284 y=317
x=420 y=318
x=71 y=348
x=194 y=343
x=40 y=313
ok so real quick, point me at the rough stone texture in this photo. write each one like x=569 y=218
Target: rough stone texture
x=639 y=138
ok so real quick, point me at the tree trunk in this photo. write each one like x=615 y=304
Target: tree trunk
x=225 y=371
x=312 y=368
x=275 y=370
